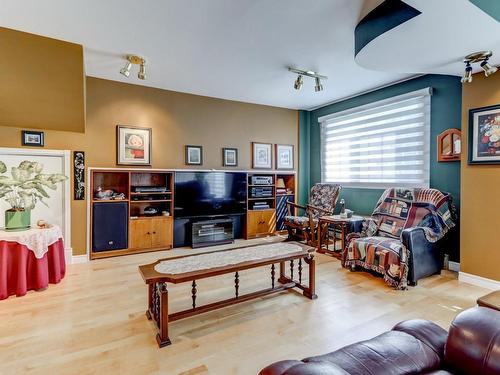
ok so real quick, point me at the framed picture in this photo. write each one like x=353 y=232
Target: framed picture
x=229 y=157
x=194 y=155
x=262 y=155
x=484 y=135
x=284 y=156
x=32 y=138
x=79 y=175
x=133 y=145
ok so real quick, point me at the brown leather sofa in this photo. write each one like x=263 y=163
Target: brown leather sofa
x=472 y=346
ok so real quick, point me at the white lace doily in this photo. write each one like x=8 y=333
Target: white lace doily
x=35 y=239
x=225 y=258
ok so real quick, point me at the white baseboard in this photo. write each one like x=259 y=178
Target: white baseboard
x=482 y=282
x=68 y=254
x=76 y=259
x=454 y=266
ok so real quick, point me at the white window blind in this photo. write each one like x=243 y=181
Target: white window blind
x=379 y=145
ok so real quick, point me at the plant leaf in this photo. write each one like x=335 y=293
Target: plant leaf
x=55 y=178
x=3 y=167
x=24 y=165
x=15 y=173
x=41 y=190
x=6 y=181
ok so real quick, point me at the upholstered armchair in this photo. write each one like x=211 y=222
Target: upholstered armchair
x=322 y=201
x=401 y=241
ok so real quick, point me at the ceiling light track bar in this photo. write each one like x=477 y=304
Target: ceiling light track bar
x=308 y=73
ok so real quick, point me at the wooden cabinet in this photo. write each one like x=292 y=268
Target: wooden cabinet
x=261 y=222
x=151 y=233
x=161 y=232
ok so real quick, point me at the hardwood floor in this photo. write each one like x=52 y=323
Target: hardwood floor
x=93 y=322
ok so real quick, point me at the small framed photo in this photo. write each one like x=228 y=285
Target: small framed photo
x=133 y=145
x=229 y=157
x=194 y=155
x=284 y=156
x=484 y=135
x=32 y=138
x=262 y=155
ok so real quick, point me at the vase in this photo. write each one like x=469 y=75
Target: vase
x=17 y=220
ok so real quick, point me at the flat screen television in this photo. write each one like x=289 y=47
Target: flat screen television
x=209 y=193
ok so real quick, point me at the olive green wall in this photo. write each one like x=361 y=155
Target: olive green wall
x=42 y=82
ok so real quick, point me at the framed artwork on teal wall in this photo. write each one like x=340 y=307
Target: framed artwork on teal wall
x=484 y=135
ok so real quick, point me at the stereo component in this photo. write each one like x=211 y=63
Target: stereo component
x=262 y=180
x=261 y=192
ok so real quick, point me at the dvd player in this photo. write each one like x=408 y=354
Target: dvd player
x=150 y=189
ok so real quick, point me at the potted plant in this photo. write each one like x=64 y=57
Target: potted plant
x=22 y=189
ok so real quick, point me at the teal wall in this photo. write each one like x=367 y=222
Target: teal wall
x=446 y=110
x=304 y=155
x=445 y=113
x=492 y=7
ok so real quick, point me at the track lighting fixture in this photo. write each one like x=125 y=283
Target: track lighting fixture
x=142 y=71
x=318 y=87
x=478 y=57
x=134 y=60
x=467 y=78
x=488 y=69
x=126 y=69
x=297 y=85
x=298 y=82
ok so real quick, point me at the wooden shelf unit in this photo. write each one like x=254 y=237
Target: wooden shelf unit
x=265 y=222
x=144 y=232
x=152 y=233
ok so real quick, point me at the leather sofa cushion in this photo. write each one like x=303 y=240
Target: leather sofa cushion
x=301 y=368
x=473 y=345
x=429 y=333
x=391 y=353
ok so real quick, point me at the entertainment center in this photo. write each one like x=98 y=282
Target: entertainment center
x=134 y=210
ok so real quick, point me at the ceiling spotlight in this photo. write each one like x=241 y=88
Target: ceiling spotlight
x=481 y=57
x=126 y=69
x=467 y=78
x=318 y=87
x=297 y=85
x=298 y=82
x=134 y=60
x=488 y=69
x=142 y=70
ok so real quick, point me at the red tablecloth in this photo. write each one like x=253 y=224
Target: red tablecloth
x=21 y=271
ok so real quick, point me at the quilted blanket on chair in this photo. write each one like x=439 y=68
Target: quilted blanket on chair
x=379 y=247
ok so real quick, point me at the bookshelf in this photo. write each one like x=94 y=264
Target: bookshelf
x=148 y=225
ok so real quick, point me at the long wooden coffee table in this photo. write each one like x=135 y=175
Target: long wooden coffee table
x=200 y=266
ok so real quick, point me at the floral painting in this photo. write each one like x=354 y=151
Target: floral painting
x=133 y=145
x=484 y=135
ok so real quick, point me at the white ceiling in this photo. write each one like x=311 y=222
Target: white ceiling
x=230 y=49
x=436 y=41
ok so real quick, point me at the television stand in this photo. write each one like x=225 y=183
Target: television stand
x=212 y=232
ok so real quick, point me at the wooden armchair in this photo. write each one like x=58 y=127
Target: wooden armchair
x=322 y=201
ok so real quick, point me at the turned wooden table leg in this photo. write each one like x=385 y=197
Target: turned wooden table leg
x=162 y=336
x=310 y=292
x=282 y=279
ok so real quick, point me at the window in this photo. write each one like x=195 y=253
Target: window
x=379 y=145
